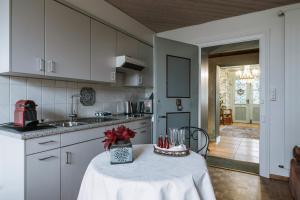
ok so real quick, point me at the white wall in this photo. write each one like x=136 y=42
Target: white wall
x=242 y=26
x=54 y=97
x=115 y=17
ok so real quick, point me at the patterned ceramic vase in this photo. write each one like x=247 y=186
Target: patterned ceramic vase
x=121 y=152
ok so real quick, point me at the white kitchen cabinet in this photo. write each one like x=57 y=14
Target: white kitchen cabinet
x=52 y=167
x=133 y=48
x=103 y=52
x=143 y=136
x=22 y=24
x=27 y=36
x=146 y=55
x=133 y=78
x=75 y=160
x=127 y=45
x=67 y=42
x=43 y=176
x=40 y=144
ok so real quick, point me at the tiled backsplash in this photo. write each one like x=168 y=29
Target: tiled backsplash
x=53 y=97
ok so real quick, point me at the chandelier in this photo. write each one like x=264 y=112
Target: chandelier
x=247 y=75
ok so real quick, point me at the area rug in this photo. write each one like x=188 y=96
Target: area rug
x=240 y=131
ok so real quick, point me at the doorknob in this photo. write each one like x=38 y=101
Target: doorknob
x=163 y=116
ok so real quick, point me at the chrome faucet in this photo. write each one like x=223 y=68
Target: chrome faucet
x=73 y=115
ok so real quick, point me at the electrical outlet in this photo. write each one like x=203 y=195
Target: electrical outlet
x=273 y=94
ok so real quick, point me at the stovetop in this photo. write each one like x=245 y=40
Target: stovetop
x=12 y=127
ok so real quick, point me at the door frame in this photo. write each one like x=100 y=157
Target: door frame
x=264 y=60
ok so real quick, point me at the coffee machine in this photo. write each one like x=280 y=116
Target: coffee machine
x=25 y=113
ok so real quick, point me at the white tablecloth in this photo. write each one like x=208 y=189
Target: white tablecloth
x=149 y=177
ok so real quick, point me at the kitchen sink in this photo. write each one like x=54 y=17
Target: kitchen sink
x=67 y=124
x=93 y=120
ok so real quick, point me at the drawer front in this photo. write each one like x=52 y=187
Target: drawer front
x=138 y=124
x=143 y=136
x=81 y=136
x=42 y=144
x=43 y=175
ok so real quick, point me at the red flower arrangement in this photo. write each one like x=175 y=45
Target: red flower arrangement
x=122 y=133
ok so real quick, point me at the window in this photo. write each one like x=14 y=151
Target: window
x=255 y=89
x=240 y=92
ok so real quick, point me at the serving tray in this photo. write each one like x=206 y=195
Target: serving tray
x=166 y=152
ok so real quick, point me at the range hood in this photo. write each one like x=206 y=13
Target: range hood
x=125 y=63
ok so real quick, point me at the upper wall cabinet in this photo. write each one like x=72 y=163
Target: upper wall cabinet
x=146 y=55
x=103 y=52
x=47 y=38
x=27 y=36
x=22 y=23
x=127 y=46
x=67 y=42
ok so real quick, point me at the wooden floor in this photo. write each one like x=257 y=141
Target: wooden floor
x=231 y=185
x=242 y=149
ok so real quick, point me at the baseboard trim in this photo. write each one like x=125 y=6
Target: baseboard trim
x=279 y=178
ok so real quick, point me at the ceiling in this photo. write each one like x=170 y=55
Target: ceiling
x=163 y=15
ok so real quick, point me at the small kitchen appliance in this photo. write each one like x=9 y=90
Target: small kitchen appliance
x=146 y=106
x=128 y=108
x=25 y=113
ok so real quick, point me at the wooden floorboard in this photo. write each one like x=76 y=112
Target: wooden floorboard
x=232 y=185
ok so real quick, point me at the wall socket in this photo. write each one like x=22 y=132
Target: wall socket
x=273 y=94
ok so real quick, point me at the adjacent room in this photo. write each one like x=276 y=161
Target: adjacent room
x=149 y=100
x=233 y=104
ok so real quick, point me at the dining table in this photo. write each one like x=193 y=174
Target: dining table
x=149 y=177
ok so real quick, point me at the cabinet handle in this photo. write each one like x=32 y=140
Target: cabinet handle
x=113 y=76
x=51 y=66
x=163 y=117
x=140 y=79
x=47 y=142
x=46 y=158
x=68 y=160
x=41 y=64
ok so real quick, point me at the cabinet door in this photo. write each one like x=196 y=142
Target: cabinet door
x=43 y=176
x=67 y=42
x=143 y=136
x=127 y=45
x=146 y=55
x=103 y=52
x=27 y=32
x=75 y=160
x=133 y=78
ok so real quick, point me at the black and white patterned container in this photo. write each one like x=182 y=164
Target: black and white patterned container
x=121 y=153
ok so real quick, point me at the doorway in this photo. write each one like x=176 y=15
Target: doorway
x=233 y=105
x=239 y=106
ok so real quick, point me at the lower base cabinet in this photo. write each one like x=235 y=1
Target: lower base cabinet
x=54 y=166
x=143 y=136
x=74 y=162
x=43 y=176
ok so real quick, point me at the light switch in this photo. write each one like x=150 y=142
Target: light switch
x=273 y=95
